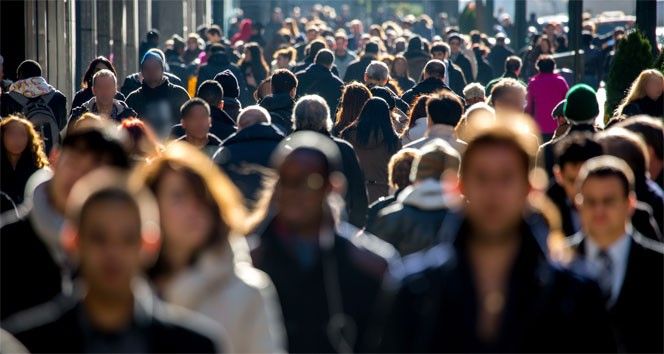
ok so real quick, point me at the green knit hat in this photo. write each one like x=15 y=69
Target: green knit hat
x=581 y=103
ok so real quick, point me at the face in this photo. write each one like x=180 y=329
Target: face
x=654 y=87
x=109 y=246
x=438 y=55
x=603 y=207
x=185 y=220
x=192 y=44
x=301 y=190
x=455 y=45
x=282 y=62
x=566 y=178
x=496 y=188
x=341 y=43
x=311 y=35
x=71 y=165
x=15 y=137
x=104 y=89
x=513 y=101
x=213 y=37
x=197 y=122
x=152 y=72
x=400 y=67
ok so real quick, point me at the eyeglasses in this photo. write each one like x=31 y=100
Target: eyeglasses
x=592 y=203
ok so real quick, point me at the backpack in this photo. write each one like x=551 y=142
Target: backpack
x=38 y=112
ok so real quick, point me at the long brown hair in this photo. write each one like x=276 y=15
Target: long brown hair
x=35 y=146
x=353 y=98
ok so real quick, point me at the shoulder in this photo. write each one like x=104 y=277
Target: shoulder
x=186 y=327
x=367 y=250
x=44 y=317
x=651 y=246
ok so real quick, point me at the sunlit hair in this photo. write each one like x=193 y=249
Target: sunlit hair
x=90 y=71
x=638 y=88
x=143 y=141
x=288 y=52
x=399 y=58
x=479 y=110
x=503 y=87
x=353 y=98
x=417 y=110
x=35 y=147
x=398 y=169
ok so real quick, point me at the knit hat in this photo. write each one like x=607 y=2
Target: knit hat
x=154 y=55
x=581 y=104
x=229 y=83
x=558 y=110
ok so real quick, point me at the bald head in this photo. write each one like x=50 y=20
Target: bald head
x=252 y=115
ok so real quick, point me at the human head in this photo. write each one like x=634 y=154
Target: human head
x=195 y=118
x=474 y=93
x=569 y=154
x=445 y=108
x=284 y=57
x=152 y=37
x=104 y=86
x=581 y=104
x=263 y=89
x=513 y=65
x=229 y=83
x=400 y=66
x=399 y=167
x=455 y=42
x=192 y=41
x=211 y=92
x=284 y=81
x=434 y=69
x=341 y=41
x=476 y=113
x=508 y=96
x=312 y=113
x=252 y=115
x=371 y=48
x=546 y=64
x=376 y=73
x=325 y=57
x=624 y=144
x=650 y=83
x=18 y=137
x=375 y=121
x=214 y=34
x=95 y=65
x=544 y=45
x=28 y=69
x=605 y=198
x=353 y=98
x=650 y=129
x=312 y=33
x=152 y=68
x=435 y=158
x=142 y=141
x=440 y=51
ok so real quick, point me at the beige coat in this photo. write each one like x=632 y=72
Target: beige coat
x=224 y=286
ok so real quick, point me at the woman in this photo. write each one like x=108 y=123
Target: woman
x=245 y=32
x=399 y=71
x=22 y=155
x=284 y=58
x=85 y=94
x=543 y=47
x=253 y=65
x=143 y=142
x=645 y=95
x=417 y=120
x=204 y=263
x=375 y=141
x=264 y=89
x=353 y=98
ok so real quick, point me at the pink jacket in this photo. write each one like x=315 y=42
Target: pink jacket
x=545 y=91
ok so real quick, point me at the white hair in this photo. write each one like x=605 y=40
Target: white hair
x=377 y=70
x=312 y=113
x=474 y=90
x=251 y=115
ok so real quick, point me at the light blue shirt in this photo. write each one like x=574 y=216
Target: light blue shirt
x=619 y=253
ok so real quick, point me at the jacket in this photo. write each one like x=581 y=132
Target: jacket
x=645 y=105
x=457 y=80
x=439 y=131
x=636 y=314
x=134 y=81
x=213 y=144
x=356 y=191
x=84 y=95
x=545 y=151
x=13 y=180
x=317 y=79
x=416 y=62
x=120 y=111
x=217 y=63
x=342 y=62
x=280 y=106
x=464 y=63
x=57 y=104
x=411 y=224
x=484 y=70
x=222 y=125
x=159 y=106
x=405 y=83
x=232 y=106
x=429 y=85
x=245 y=157
x=356 y=69
x=497 y=57
x=228 y=289
x=545 y=91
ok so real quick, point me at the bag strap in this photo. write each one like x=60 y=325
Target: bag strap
x=22 y=100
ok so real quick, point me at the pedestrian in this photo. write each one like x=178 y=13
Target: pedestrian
x=104 y=101
x=356 y=69
x=433 y=82
x=231 y=90
x=319 y=79
x=282 y=99
x=399 y=71
x=443 y=114
x=85 y=93
x=645 y=96
x=196 y=122
x=134 y=81
x=545 y=90
x=253 y=66
x=353 y=98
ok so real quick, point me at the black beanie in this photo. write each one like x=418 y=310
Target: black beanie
x=229 y=83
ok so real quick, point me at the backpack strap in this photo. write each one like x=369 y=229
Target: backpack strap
x=22 y=100
x=48 y=97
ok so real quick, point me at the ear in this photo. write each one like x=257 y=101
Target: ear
x=632 y=203
x=557 y=174
x=69 y=240
x=150 y=246
x=221 y=105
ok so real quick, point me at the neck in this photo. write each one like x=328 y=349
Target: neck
x=109 y=311
x=605 y=239
x=57 y=201
x=104 y=107
x=198 y=142
x=13 y=159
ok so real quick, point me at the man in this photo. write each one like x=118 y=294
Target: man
x=492 y=288
x=151 y=41
x=38 y=101
x=342 y=55
x=458 y=57
x=328 y=280
x=433 y=81
x=214 y=35
x=411 y=224
x=545 y=91
x=311 y=51
x=196 y=122
x=318 y=79
x=499 y=53
x=104 y=89
x=356 y=69
x=133 y=82
x=311 y=113
x=231 y=89
x=29 y=281
x=112 y=228
x=652 y=131
x=245 y=155
x=280 y=103
x=508 y=97
x=218 y=62
x=627 y=266
x=157 y=101
x=443 y=113
x=512 y=70
x=377 y=75
x=311 y=34
x=222 y=124
x=455 y=78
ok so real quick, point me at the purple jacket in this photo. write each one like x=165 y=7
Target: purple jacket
x=545 y=91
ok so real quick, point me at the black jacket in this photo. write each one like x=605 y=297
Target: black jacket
x=497 y=57
x=57 y=327
x=121 y=111
x=376 y=207
x=547 y=309
x=356 y=69
x=232 y=106
x=159 y=106
x=57 y=104
x=405 y=83
x=84 y=95
x=429 y=85
x=317 y=79
x=545 y=151
x=213 y=144
x=356 y=191
x=645 y=105
x=280 y=106
x=352 y=268
x=219 y=62
x=133 y=82
x=245 y=156
x=13 y=180
x=636 y=316
x=484 y=70
x=222 y=127
x=457 y=79
x=464 y=63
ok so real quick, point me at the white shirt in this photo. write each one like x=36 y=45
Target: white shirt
x=619 y=254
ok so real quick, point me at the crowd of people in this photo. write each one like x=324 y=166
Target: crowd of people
x=309 y=186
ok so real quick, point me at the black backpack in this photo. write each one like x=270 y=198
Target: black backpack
x=38 y=112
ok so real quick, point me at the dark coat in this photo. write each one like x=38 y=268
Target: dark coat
x=356 y=69
x=416 y=62
x=57 y=104
x=636 y=316
x=356 y=192
x=457 y=79
x=429 y=85
x=547 y=309
x=133 y=82
x=484 y=70
x=646 y=106
x=357 y=266
x=464 y=63
x=159 y=106
x=121 y=108
x=405 y=83
x=280 y=106
x=497 y=57
x=652 y=195
x=222 y=127
x=213 y=144
x=56 y=327
x=319 y=80
x=245 y=156
x=84 y=95
x=232 y=106
x=219 y=62
x=13 y=180
x=545 y=151
x=376 y=207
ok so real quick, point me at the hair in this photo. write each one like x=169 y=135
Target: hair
x=190 y=104
x=638 y=89
x=250 y=112
x=445 y=108
x=546 y=64
x=28 y=69
x=211 y=186
x=436 y=157
x=435 y=68
x=440 y=47
x=629 y=146
x=312 y=113
x=461 y=128
x=152 y=34
x=650 y=129
x=377 y=70
x=375 y=122
x=288 y=52
x=512 y=64
x=214 y=30
x=399 y=57
x=34 y=150
x=398 y=169
x=211 y=92
x=87 y=79
x=143 y=140
x=353 y=98
x=503 y=87
x=104 y=73
x=371 y=47
x=539 y=45
x=101 y=140
x=258 y=64
x=324 y=57
x=576 y=147
x=473 y=90
x=260 y=92
x=312 y=49
x=418 y=109
x=283 y=81
x=502 y=136
x=606 y=166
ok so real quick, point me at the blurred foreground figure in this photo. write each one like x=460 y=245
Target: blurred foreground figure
x=112 y=232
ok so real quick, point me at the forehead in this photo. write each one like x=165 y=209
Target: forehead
x=301 y=163
x=494 y=156
x=110 y=212
x=602 y=185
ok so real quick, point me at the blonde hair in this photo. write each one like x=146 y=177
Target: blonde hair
x=638 y=89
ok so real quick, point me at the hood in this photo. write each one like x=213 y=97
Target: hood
x=425 y=195
x=255 y=132
x=32 y=87
x=278 y=102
